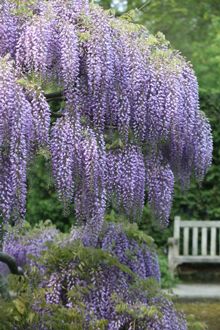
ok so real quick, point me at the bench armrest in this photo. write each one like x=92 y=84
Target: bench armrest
x=172 y=241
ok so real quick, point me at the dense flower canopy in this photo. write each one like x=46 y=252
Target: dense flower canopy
x=115 y=282
x=130 y=119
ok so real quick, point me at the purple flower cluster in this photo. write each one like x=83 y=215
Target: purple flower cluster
x=15 y=136
x=24 y=124
x=117 y=80
x=160 y=185
x=9 y=29
x=78 y=159
x=41 y=118
x=108 y=285
x=139 y=257
x=126 y=179
x=169 y=319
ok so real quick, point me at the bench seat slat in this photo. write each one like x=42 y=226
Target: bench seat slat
x=198 y=259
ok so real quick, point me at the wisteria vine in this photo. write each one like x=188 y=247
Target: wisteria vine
x=113 y=282
x=131 y=121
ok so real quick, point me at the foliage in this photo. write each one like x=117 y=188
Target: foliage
x=167 y=280
x=42 y=200
x=84 y=287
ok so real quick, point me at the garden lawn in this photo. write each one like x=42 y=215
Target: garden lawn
x=208 y=312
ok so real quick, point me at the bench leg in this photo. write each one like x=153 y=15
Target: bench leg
x=172 y=268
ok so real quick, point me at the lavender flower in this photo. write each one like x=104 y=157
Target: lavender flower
x=108 y=286
x=15 y=142
x=126 y=179
x=9 y=28
x=160 y=185
x=117 y=81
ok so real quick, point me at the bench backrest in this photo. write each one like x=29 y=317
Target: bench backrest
x=197 y=237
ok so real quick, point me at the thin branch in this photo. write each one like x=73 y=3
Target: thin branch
x=11 y=263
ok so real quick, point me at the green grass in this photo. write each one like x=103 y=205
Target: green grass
x=207 y=312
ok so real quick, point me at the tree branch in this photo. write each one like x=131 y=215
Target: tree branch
x=54 y=96
x=11 y=263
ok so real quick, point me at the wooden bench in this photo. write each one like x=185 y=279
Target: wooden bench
x=194 y=242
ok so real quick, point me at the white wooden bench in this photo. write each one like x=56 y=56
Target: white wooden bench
x=194 y=242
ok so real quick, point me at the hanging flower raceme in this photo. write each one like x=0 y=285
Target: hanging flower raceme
x=160 y=185
x=9 y=28
x=64 y=138
x=126 y=179
x=79 y=166
x=69 y=60
x=116 y=80
x=91 y=197
x=35 y=48
x=203 y=146
x=15 y=142
x=24 y=125
x=41 y=117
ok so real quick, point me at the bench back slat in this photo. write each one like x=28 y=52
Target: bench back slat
x=213 y=242
x=197 y=238
x=204 y=242
x=195 y=241
x=186 y=241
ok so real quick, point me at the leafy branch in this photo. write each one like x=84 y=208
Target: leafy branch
x=11 y=263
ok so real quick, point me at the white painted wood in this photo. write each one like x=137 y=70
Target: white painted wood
x=177 y=221
x=213 y=242
x=197 y=259
x=199 y=224
x=204 y=242
x=186 y=241
x=174 y=257
x=195 y=242
x=176 y=235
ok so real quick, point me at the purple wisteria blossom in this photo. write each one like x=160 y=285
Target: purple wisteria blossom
x=24 y=127
x=126 y=179
x=118 y=83
x=78 y=160
x=108 y=286
x=160 y=185
x=15 y=142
